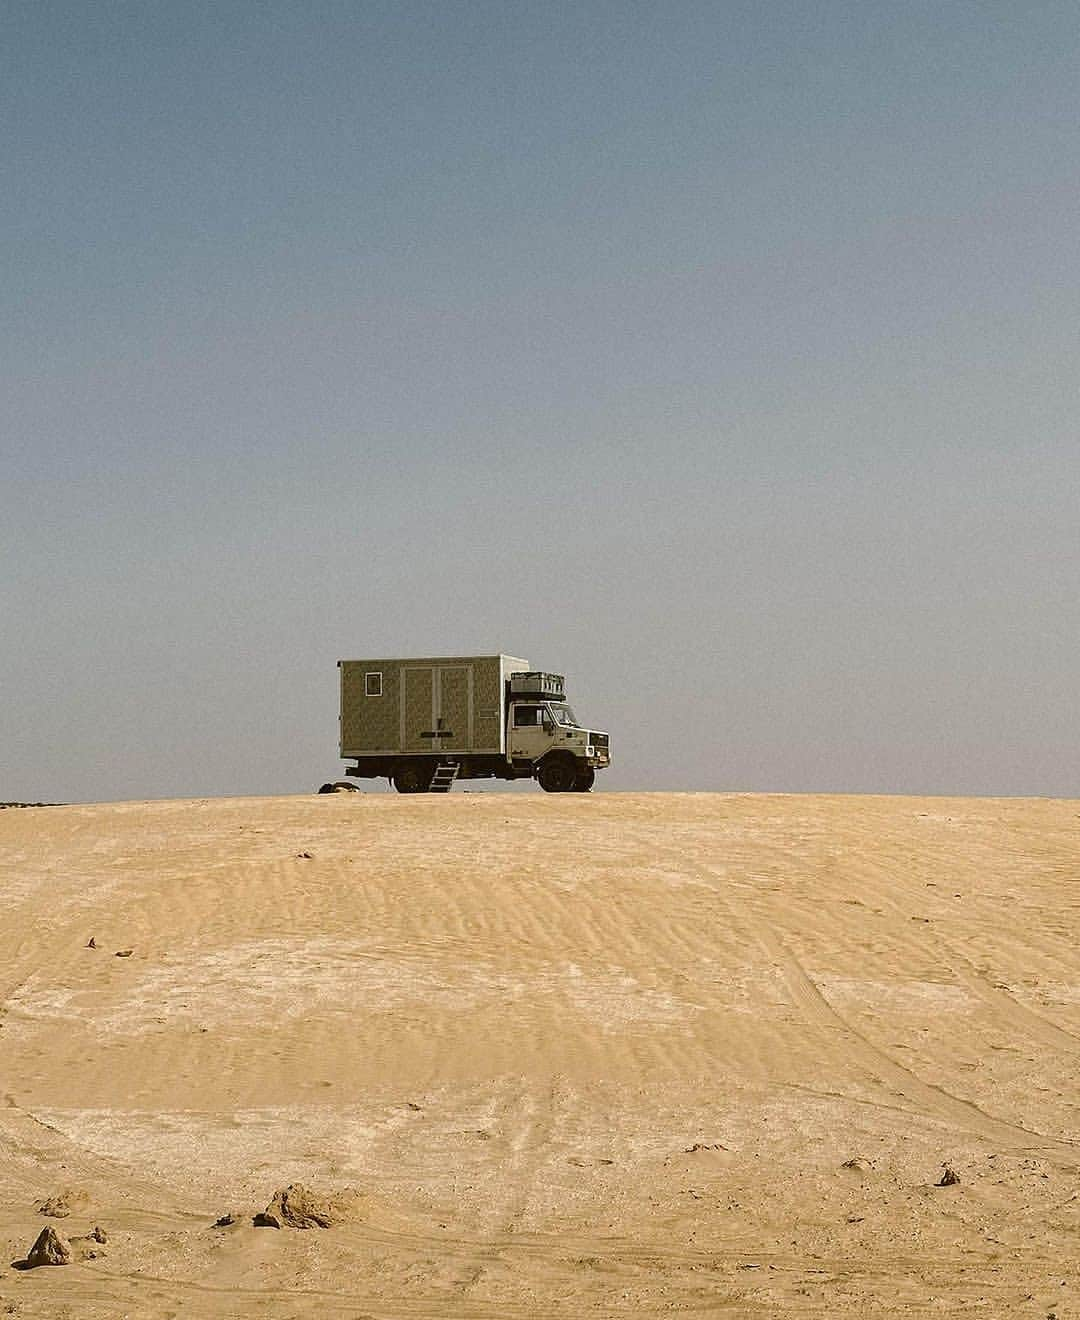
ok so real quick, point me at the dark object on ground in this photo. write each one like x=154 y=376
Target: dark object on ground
x=124 y=953
x=49 y=1249
x=949 y=1177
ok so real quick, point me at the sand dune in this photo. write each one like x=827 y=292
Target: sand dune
x=606 y=1055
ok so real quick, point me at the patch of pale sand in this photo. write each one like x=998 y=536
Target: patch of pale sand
x=900 y=997
x=234 y=1154
x=256 y=980
x=1047 y=993
x=755 y=991
x=477 y=1132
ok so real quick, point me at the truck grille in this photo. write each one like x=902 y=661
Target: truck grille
x=599 y=741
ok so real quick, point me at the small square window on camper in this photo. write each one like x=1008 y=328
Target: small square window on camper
x=373 y=684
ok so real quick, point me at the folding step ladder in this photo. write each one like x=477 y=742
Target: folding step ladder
x=445 y=774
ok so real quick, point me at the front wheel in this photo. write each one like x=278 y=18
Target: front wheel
x=411 y=779
x=585 y=779
x=557 y=775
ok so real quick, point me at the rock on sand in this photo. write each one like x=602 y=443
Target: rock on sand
x=64 y=1203
x=49 y=1249
x=296 y=1206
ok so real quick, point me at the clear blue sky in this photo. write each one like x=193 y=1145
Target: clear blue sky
x=722 y=355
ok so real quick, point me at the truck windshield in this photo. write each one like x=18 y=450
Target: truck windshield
x=564 y=715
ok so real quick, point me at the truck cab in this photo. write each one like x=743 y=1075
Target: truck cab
x=544 y=735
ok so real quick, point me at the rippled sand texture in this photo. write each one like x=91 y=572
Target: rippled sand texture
x=602 y=1055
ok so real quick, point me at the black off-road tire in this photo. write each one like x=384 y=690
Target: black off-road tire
x=412 y=777
x=585 y=779
x=557 y=774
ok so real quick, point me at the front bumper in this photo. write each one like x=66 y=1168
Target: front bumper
x=598 y=750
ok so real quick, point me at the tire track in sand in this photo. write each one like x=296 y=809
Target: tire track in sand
x=530 y=1124
x=929 y=1098
x=998 y=998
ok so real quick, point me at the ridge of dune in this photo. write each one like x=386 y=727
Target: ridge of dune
x=610 y=1054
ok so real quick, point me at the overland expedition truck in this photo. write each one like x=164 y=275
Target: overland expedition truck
x=424 y=723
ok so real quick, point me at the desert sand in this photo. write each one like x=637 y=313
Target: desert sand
x=611 y=1055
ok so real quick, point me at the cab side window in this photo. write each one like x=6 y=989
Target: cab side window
x=526 y=717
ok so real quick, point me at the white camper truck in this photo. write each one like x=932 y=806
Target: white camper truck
x=424 y=723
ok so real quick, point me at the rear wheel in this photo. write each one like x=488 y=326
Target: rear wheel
x=585 y=780
x=557 y=775
x=412 y=778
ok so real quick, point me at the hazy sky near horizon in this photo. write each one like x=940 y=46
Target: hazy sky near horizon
x=722 y=356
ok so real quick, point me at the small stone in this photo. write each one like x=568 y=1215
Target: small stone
x=304 y=856
x=91 y=943
x=49 y=1249
x=949 y=1176
x=226 y=1220
x=98 y=1234
x=124 y=953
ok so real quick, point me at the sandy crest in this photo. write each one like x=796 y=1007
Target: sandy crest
x=602 y=1055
